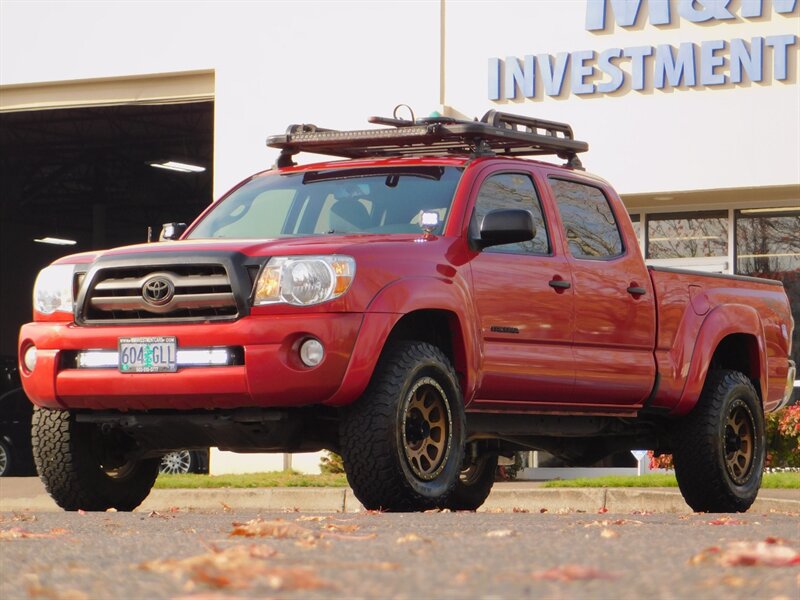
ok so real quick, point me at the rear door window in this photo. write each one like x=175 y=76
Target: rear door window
x=589 y=224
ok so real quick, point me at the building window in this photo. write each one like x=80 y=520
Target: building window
x=589 y=224
x=768 y=245
x=687 y=235
x=636 y=221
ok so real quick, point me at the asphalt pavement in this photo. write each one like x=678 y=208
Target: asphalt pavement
x=232 y=553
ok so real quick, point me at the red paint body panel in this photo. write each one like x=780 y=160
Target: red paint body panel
x=519 y=345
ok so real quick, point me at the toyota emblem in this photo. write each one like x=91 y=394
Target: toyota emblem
x=158 y=291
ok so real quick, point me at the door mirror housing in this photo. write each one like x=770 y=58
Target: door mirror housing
x=172 y=231
x=506 y=226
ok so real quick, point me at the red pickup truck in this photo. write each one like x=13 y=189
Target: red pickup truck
x=422 y=307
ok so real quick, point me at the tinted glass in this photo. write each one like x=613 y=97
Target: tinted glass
x=589 y=224
x=512 y=190
x=687 y=235
x=380 y=200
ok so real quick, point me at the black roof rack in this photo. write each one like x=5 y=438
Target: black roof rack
x=497 y=133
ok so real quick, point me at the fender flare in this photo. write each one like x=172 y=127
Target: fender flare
x=721 y=322
x=392 y=303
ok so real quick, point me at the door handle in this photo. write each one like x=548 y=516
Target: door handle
x=559 y=284
x=637 y=291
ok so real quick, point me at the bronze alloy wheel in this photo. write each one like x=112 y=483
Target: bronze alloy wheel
x=739 y=442
x=427 y=427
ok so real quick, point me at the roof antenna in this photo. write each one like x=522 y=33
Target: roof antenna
x=411 y=112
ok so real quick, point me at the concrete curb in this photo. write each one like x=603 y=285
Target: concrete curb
x=522 y=498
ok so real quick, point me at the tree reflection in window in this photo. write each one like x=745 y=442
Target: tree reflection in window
x=687 y=235
x=768 y=245
x=588 y=221
x=512 y=190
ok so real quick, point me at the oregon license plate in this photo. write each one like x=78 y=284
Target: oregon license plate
x=148 y=354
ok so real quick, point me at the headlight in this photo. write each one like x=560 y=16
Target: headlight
x=304 y=280
x=53 y=289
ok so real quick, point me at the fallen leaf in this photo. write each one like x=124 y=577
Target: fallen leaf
x=17 y=533
x=517 y=509
x=769 y=553
x=277 y=529
x=573 y=573
x=239 y=567
x=727 y=521
x=36 y=590
x=81 y=512
x=226 y=507
x=609 y=522
x=153 y=514
x=602 y=511
x=608 y=534
x=542 y=510
x=312 y=518
x=342 y=528
x=501 y=533
x=112 y=509
x=411 y=537
x=348 y=537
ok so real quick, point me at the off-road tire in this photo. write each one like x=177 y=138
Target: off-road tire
x=474 y=484
x=376 y=459
x=72 y=473
x=702 y=464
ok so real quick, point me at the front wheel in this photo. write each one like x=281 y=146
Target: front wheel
x=719 y=448
x=403 y=440
x=69 y=462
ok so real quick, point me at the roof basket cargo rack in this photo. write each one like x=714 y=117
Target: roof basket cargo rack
x=497 y=133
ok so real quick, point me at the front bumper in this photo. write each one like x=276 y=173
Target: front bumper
x=271 y=375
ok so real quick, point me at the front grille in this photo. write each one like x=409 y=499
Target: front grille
x=164 y=292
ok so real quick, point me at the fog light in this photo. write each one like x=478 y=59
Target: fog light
x=311 y=352
x=29 y=359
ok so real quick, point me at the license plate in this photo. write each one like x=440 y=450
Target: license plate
x=148 y=354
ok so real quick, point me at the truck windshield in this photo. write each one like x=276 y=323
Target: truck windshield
x=333 y=201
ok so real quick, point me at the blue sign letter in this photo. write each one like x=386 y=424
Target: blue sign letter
x=553 y=75
x=494 y=79
x=712 y=9
x=781 y=44
x=710 y=61
x=580 y=71
x=609 y=68
x=748 y=56
x=515 y=76
x=626 y=13
x=637 y=55
x=675 y=70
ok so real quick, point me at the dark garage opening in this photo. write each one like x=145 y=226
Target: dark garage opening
x=85 y=175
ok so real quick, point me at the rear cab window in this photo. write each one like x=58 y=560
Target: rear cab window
x=589 y=225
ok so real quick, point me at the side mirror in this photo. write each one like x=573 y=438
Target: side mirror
x=172 y=231
x=506 y=226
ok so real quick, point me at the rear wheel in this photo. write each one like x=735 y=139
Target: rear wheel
x=403 y=440
x=68 y=458
x=474 y=483
x=719 y=448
